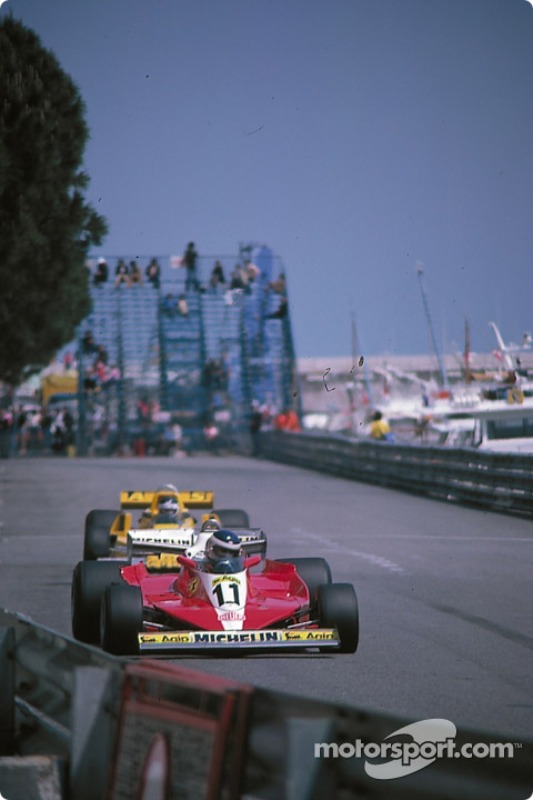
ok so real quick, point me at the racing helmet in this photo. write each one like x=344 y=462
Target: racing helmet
x=212 y=524
x=168 y=487
x=167 y=509
x=224 y=553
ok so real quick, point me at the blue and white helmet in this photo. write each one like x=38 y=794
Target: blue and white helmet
x=224 y=552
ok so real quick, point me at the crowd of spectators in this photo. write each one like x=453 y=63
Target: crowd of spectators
x=240 y=280
x=97 y=373
x=127 y=274
x=29 y=428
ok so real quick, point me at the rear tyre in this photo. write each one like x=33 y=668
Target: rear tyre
x=337 y=608
x=89 y=581
x=233 y=518
x=313 y=571
x=121 y=619
x=97 y=540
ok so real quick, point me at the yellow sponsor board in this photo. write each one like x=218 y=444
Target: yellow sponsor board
x=173 y=638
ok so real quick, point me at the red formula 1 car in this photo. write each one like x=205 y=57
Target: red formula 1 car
x=171 y=604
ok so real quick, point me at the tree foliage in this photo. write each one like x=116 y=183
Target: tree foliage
x=46 y=227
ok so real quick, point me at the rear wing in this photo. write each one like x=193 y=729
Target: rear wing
x=187 y=500
x=253 y=541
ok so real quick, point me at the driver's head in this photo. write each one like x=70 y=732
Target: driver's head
x=211 y=525
x=168 y=507
x=224 y=552
x=168 y=487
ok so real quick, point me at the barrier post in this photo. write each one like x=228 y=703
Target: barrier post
x=94 y=728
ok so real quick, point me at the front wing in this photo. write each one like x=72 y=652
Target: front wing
x=267 y=639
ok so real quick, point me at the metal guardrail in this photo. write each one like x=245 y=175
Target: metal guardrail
x=59 y=698
x=499 y=481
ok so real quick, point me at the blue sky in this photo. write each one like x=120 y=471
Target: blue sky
x=354 y=137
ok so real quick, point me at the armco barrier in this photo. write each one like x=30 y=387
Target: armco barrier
x=77 y=724
x=60 y=700
x=500 y=481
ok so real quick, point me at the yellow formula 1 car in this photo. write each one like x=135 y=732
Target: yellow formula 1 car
x=166 y=524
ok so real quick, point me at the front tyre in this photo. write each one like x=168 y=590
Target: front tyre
x=337 y=608
x=89 y=581
x=121 y=619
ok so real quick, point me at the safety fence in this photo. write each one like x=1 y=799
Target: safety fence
x=77 y=723
x=499 y=481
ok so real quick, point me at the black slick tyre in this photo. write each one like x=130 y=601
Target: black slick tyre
x=89 y=581
x=97 y=539
x=337 y=608
x=121 y=619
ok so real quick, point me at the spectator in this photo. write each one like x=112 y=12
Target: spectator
x=101 y=273
x=183 y=307
x=153 y=273
x=279 y=286
x=380 y=428
x=101 y=354
x=169 y=305
x=68 y=421
x=281 y=310
x=143 y=410
x=251 y=270
x=211 y=436
x=58 y=433
x=22 y=435
x=190 y=258
x=136 y=275
x=112 y=375
x=287 y=420
x=236 y=281
x=171 y=440
x=217 y=277
x=121 y=273
x=256 y=418
x=6 y=426
x=88 y=344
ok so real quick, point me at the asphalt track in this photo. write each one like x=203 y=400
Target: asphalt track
x=445 y=592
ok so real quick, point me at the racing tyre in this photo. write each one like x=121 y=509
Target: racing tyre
x=313 y=571
x=89 y=582
x=121 y=619
x=97 y=541
x=233 y=518
x=337 y=608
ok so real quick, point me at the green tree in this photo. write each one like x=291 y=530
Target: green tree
x=46 y=227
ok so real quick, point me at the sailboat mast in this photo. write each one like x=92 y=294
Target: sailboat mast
x=444 y=377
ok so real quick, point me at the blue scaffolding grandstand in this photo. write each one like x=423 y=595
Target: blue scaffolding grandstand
x=196 y=355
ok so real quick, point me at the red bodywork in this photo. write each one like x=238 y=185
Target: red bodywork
x=275 y=596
